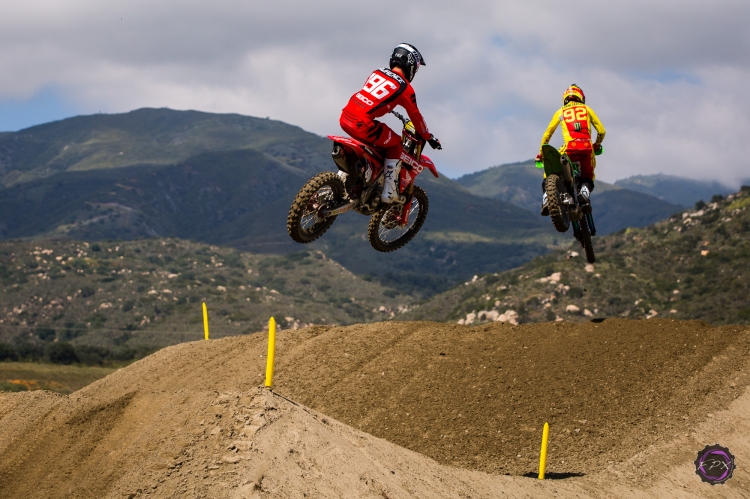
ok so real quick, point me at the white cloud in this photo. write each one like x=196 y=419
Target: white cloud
x=667 y=78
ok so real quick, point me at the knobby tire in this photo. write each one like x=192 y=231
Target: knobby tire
x=324 y=188
x=588 y=246
x=558 y=212
x=376 y=224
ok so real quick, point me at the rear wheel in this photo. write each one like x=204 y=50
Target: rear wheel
x=588 y=246
x=554 y=186
x=386 y=232
x=305 y=223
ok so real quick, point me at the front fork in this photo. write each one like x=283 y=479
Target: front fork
x=404 y=217
x=577 y=226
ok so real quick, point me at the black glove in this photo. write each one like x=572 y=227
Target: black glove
x=597 y=149
x=434 y=142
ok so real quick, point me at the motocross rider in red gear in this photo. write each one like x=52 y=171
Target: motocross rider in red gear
x=383 y=91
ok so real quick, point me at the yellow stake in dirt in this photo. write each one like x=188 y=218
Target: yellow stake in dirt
x=543 y=454
x=205 y=321
x=271 y=351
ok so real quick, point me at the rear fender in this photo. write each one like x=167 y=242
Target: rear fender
x=358 y=148
x=364 y=153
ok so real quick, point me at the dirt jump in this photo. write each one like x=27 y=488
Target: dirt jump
x=395 y=410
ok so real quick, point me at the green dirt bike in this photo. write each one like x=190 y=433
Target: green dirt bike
x=562 y=184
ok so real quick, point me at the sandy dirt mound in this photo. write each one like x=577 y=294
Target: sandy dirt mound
x=629 y=403
x=478 y=397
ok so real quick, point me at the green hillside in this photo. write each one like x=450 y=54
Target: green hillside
x=239 y=197
x=695 y=265
x=130 y=297
x=153 y=136
x=615 y=207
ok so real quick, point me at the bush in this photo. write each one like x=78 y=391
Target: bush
x=61 y=353
x=92 y=355
x=87 y=292
x=46 y=333
x=7 y=352
x=700 y=205
x=29 y=351
x=716 y=198
x=124 y=354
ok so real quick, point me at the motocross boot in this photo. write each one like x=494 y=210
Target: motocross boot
x=545 y=205
x=584 y=194
x=390 y=190
x=343 y=177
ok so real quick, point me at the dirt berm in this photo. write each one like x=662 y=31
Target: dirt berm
x=395 y=410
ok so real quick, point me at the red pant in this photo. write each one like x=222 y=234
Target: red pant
x=585 y=159
x=375 y=133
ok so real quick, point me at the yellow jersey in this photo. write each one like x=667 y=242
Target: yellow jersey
x=577 y=120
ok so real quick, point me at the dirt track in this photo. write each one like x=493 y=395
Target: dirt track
x=627 y=401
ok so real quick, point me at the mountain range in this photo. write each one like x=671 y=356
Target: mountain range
x=229 y=180
x=615 y=206
x=673 y=189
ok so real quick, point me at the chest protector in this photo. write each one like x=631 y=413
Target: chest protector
x=575 y=119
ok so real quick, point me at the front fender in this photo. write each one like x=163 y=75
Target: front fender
x=426 y=162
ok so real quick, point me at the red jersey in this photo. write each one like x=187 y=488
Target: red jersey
x=383 y=91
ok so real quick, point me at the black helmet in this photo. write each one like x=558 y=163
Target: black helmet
x=408 y=58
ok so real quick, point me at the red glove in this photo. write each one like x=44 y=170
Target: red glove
x=597 y=148
x=538 y=158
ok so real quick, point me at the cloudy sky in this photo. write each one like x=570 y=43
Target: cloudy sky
x=669 y=79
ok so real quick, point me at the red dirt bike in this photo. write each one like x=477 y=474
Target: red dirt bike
x=326 y=196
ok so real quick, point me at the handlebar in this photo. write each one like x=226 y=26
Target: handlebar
x=400 y=117
x=434 y=145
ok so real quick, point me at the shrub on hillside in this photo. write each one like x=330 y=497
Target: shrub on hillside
x=7 y=352
x=61 y=353
x=46 y=333
x=92 y=355
x=27 y=350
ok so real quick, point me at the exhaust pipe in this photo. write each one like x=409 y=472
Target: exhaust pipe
x=338 y=210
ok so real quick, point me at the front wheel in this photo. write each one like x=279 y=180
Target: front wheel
x=554 y=186
x=305 y=223
x=386 y=232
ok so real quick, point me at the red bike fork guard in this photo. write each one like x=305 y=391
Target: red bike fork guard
x=405 y=213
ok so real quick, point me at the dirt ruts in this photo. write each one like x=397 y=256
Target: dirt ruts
x=190 y=420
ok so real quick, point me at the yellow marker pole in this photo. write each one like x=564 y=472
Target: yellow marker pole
x=271 y=352
x=543 y=453
x=205 y=321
